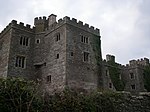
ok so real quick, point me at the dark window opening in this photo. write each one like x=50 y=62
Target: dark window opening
x=21 y=40
x=87 y=40
x=24 y=41
x=110 y=85
x=48 y=79
x=133 y=86
x=71 y=53
x=38 y=41
x=131 y=76
x=58 y=37
x=107 y=72
x=20 y=62
x=86 y=56
x=81 y=38
x=84 y=39
x=27 y=40
x=57 y=56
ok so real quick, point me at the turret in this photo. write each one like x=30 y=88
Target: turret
x=40 y=24
x=51 y=19
x=110 y=58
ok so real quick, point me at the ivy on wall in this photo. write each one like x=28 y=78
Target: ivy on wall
x=96 y=48
x=114 y=73
x=146 y=76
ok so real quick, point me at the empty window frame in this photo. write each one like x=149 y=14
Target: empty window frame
x=107 y=72
x=71 y=53
x=132 y=76
x=84 y=39
x=110 y=85
x=86 y=56
x=20 y=61
x=57 y=56
x=24 y=41
x=48 y=78
x=57 y=37
x=133 y=87
x=37 y=41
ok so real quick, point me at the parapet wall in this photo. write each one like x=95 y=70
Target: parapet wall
x=74 y=22
x=141 y=62
x=21 y=25
x=80 y=24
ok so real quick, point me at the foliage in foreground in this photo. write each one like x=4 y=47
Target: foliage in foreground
x=18 y=95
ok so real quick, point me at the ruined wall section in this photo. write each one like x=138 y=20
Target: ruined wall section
x=22 y=41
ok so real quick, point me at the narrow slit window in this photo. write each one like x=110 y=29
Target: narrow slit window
x=27 y=41
x=24 y=41
x=87 y=40
x=57 y=37
x=20 y=62
x=21 y=40
x=57 y=56
x=110 y=85
x=86 y=56
x=71 y=54
x=82 y=38
x=48 y=78
x=133 y=87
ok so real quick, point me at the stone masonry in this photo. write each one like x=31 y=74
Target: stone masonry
x=63 y=54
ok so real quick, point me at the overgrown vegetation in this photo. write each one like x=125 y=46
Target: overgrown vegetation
x=17 y=95
x=96 y=48
x=147 y=78
x=115 y=76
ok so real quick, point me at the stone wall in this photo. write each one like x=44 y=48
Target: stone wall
x=80 y=73
x=5 y=39
x=16 y=49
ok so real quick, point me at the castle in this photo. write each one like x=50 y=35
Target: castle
x=64 y=53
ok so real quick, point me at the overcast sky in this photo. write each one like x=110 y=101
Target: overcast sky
x=124 y=24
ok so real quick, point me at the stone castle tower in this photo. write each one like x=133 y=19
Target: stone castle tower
x=63 y=53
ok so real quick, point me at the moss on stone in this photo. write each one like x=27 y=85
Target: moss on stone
x=146 y=77
x=115 y=76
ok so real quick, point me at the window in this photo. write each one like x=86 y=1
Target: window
x=131 y=76
x=57 y=56
x=20 y=62
x=71 y=54
x=110 y=85
x=57 y=37
x=133 y=87
x=86 y=57
x=107 y=72
x=37 y=41
x=24 y=41
x=48 y=78
x=84 y=39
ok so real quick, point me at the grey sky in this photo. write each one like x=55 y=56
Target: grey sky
x=124 y=24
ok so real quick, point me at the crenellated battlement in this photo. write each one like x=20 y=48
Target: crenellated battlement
x=80 y=24
x=6 y=29
x=40 y=20
x=21 y=25
x=16 y=25
x=139 y=62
